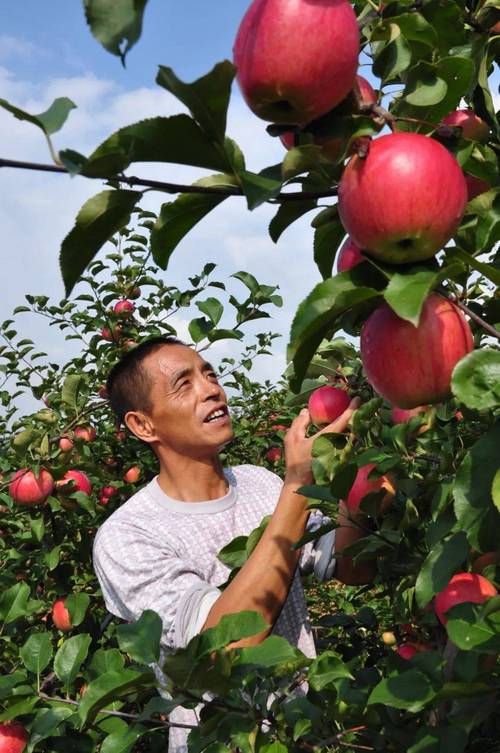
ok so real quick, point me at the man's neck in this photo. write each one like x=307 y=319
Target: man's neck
x=192 y=480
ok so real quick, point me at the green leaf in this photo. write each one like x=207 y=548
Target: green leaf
x=393 y=59
x=46 y=722
x=258 y=188
x=15 y=603
x=476 y=379
x=199 y=329
x=37 y=652
x=117 y=25
x=495 y=490
x=49 y=121
x=234 y=554
x=178 y=217
x=272 y=652
x=71 y=389
x=16 y=709
x=411 y=690
x=224 y=334
x=110 y=686
x=288 y=212
x=488 y=270
x=141 y=639
x=407 y=292
x=416 y=28
x=316 y=315
x=96 y=222
x=121 y=741
x=70 y=657
x=439 y=565
x=105 y=660
x=176 y=139
x=424 y=86
x=326 y=669
x=327 y=238
x=473 y=503
x=211 y=308
x=207 y=98
x=470 y=630
x=77 y=604
x=301 y=159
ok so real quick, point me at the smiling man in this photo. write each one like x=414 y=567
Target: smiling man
x=159 y=550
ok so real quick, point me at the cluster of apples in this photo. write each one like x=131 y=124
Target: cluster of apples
x=295 y=63
x=116 y=333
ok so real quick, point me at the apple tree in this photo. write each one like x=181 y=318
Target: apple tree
x=406 y=166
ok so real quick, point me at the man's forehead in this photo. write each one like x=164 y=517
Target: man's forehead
x=169 y=359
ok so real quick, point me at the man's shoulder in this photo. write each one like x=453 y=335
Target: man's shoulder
x=132 y=515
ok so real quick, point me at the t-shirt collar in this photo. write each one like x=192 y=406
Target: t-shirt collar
x=202 y=507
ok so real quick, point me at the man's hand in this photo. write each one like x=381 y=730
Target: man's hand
x=298 y=447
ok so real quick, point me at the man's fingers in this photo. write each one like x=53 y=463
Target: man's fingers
x=301 y=423
x=341 y=423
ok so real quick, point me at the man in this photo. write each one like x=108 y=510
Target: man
x=159 y=550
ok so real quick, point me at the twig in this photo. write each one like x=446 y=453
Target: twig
x=172 y=187
x=476 y=318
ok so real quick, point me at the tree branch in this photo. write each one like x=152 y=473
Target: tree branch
x=174 y=187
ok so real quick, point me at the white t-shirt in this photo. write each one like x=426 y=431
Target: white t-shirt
x=158 y=553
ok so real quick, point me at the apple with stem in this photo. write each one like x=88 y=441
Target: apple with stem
x=26 y=488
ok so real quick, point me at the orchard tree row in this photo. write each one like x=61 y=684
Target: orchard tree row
x=402 y=179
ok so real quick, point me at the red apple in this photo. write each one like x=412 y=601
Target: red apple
x=79 y=482
x=121 y=435
x=472 y=126
x=463 y=587
x=102 y=392
x=13 y=737
x=401 y=415
x=85 y=433
x=113 y=334
x=349 y=256
x=274 y=454
x=475 y=186
x=27 y=489
x=123 y=308
x=108 y=491
x=66 y=444
x=412 y=366
x=279 y=427
x=103 y=500
x=332 y=146
x=393 y=202
x=326 y=404
x=296 y=60
x=408 y=650
x=134 y=293
x=363 y=485
x=132 y=475
x=60 y=616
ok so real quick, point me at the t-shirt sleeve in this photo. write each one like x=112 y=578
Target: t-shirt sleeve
x=136 y=574
x=318 y=556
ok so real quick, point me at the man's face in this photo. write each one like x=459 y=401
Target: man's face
x=188 y=406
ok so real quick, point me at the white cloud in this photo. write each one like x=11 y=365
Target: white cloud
x=16 y=47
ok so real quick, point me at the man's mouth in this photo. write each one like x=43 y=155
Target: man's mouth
x=218 y=414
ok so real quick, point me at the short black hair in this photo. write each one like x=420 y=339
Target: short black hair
x=128 y=384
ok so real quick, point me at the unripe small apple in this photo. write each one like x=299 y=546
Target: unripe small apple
x=85 y=433
x=326 y=404
x=134 y=293
x=79 y=482
x=363 y=485
x=132 y=475
x=463 y=587
x=388 y=638
x=349 y=256
x=103 y=500
x=28 y=489
x=60 y=616
x=102 y=392
x=124 y=308
x=66 y=444
x=110 y=462
x=13 y=737
x=472 y=126
x=274 y=454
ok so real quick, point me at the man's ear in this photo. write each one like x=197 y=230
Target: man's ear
x=140 y=425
